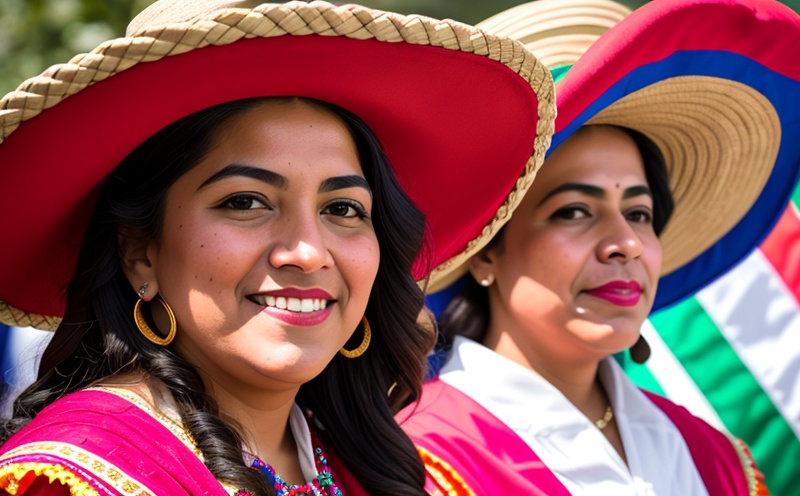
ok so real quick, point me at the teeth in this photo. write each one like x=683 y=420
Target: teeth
x=303 y=305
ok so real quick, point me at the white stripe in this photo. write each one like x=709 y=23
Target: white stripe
x=760 y=318
x=675 y=381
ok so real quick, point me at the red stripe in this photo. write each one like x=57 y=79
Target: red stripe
x=782 y=249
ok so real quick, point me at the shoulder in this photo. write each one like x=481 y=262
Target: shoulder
x=106 y=439
x=724 y=462
x=467 y=450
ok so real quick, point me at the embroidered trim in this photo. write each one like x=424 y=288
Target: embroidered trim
x=444 y=475
x=756 y=485
x=14 y=475
x=174 y=426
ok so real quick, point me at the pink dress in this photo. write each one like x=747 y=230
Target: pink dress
x=110 y=442
x=463 y=442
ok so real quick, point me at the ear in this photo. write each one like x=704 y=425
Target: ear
x=481 y=265
x=137 y=255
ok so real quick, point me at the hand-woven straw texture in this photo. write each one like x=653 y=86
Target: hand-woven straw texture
x=152 y=38
x=268 y=20
x=711 y=121
x=558 y=32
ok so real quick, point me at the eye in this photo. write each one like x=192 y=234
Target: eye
x=244 y=201
x=642 y=216
x=571 y=212
x=347 y=209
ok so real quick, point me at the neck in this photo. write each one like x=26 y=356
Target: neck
x=575 y=378
x=264 y=426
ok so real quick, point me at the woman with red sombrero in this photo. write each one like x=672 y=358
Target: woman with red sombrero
x=675 y=151
x=221 y=216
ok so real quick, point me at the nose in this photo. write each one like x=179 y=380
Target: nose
x=299 y=242
x=620 y=242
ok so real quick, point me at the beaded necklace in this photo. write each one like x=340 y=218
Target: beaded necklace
x=321 y=485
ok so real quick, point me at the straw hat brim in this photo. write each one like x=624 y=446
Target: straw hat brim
x=558 y=32
x=445 y=99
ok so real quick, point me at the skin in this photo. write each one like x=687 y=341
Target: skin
x=287 y=219
x=585 y=222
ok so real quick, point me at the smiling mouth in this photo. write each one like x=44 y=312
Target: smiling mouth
x=302 y=305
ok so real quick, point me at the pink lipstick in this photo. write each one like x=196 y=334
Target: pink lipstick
x=300 y=307
x=620 y=293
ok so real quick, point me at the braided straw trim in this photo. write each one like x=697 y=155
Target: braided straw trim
x=267 y=20
x=270 y=20
x=15 y=317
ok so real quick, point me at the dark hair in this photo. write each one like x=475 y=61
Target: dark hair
x=98 y=338
x=468 y=313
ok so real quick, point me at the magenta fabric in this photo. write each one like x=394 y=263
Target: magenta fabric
x=489 y=456
x=493 y=459
x=713 y=454
x=115 y=430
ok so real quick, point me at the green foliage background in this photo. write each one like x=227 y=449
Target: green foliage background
x=35 y=34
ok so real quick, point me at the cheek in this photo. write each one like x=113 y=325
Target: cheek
x=204 y=257
x=359 y=261
x=653 y=254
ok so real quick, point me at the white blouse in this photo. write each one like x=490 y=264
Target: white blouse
x=571 y=446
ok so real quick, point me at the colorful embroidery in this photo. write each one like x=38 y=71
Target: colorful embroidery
x=755 y=479
x=444 y=475
x=17 y=475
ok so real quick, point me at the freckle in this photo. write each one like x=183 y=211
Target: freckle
x=210 y=279
x=180 y=226
x=202 y=246
x=195 y=276
x=617 y=185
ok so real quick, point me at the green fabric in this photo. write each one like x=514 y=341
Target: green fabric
x=733 y=392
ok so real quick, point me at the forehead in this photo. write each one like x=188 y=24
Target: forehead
x=286 y=137
x=600 y=155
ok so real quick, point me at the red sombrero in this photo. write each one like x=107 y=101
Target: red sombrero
x=445 y=99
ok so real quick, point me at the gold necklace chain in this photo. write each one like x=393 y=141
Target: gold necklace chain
x=603 y=422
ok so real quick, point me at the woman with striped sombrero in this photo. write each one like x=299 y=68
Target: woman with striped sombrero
x=675 y=151
x=220 y=215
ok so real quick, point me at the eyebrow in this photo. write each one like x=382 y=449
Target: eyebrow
x=264 y=175
x=342 y=182
x=597 y=192
x=280 y=182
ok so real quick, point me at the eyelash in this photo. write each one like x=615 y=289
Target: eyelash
x=247 y=197
x=567 y=213
x=250 y=198
x=361 y=212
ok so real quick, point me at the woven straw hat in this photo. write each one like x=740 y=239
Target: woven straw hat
x=445 y=99
x=722 y=108
x=557 y=31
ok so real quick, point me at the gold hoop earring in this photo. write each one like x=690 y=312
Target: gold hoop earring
x=364 y=342
x=145 y=329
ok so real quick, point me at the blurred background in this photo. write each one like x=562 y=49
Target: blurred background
x=730 y=353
